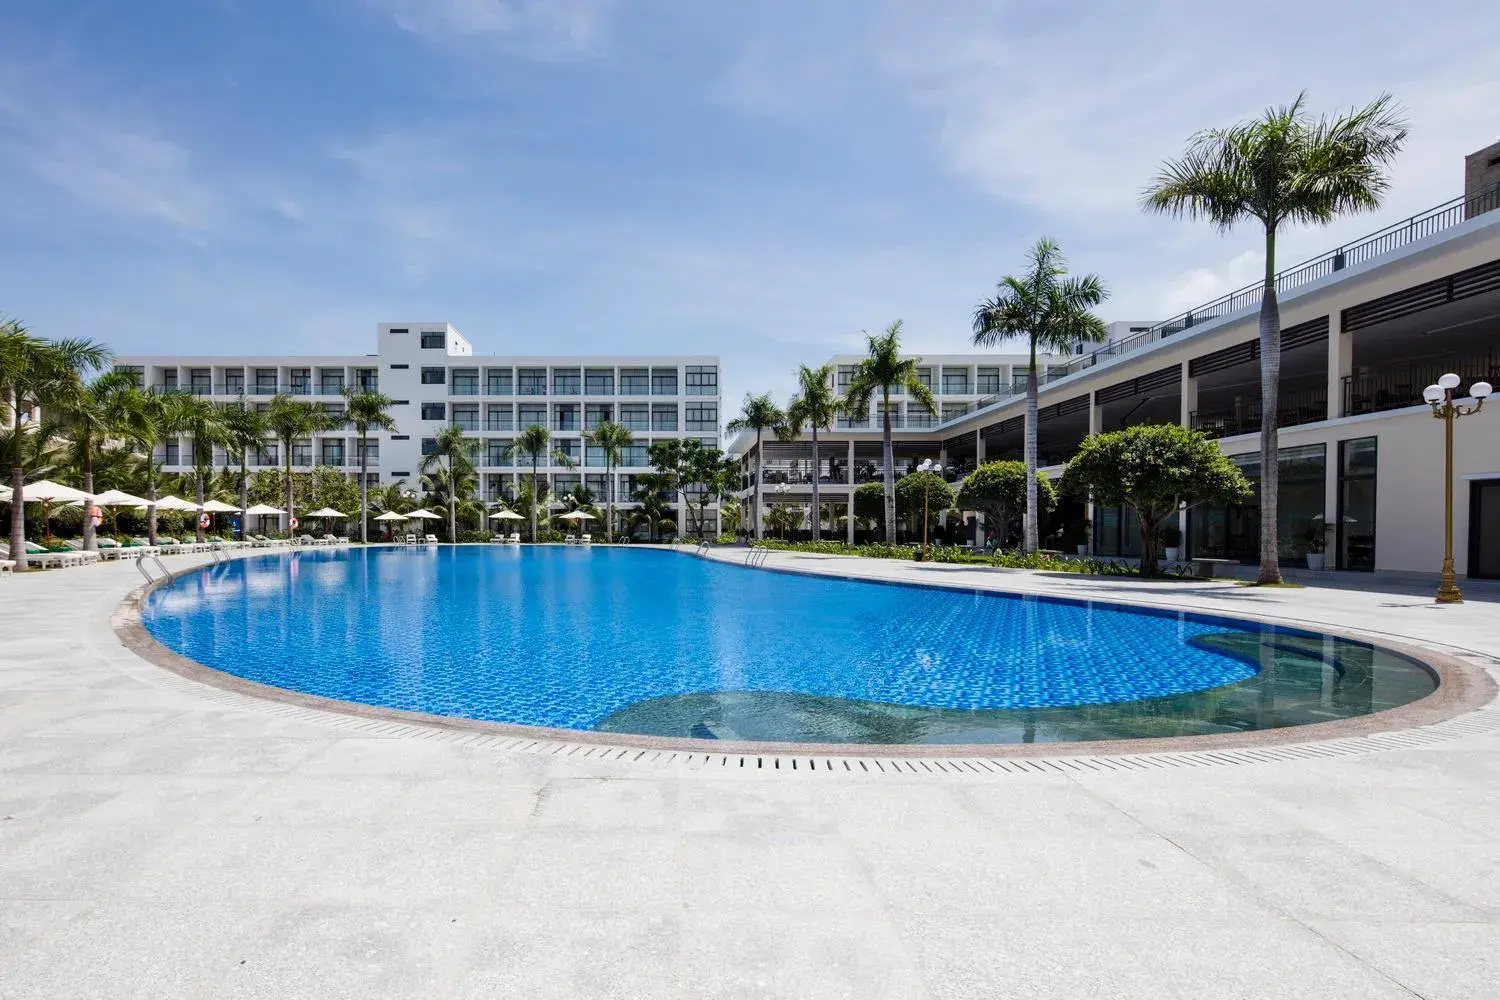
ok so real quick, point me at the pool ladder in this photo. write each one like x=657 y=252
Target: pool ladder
x=166 y=574
x=757 y=556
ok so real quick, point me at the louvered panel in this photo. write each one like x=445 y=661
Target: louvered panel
x=1239 y=354
x=1460 y=285
x=1302 y=334
x=1139 y=386
x=1077 y=404
x=1477 y=280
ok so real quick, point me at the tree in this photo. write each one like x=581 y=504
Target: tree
x=998 y=491
x=454 y=454
x=878 y=373
x=34 y=372
x=90 y=414
x=815 y=407
x=920 y=492
x=245 y=431
x=1154 y=469
x=758 y=414
x=290 y=419
x=203 y=421
x=869 y=503
x=783 y=518
x=535 y=443
x=1281 y=169
x=1053 y=312
x=698 y=474
x=612 y=439
x=367 y=410
x=654 y=512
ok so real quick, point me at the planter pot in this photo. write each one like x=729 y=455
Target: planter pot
x=1083 y=550
x=1172 y=553
x=1315 y=560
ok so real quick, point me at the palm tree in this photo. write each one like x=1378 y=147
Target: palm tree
x=367 y=410
x=91 y=413
x=879 y=373
x=32 y=372
x=1053 y=312
x=289 y=419
x=455 y=456
x=760 y=414
x=612 y=439
x=203 y=421
x=535 y=442
x=815 y=407
x=245 y=431
x=1283 y=168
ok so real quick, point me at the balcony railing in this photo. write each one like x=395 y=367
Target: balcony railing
x=1376 y=392
x=1375 y=245
x=463 y=389
x=1307 y=406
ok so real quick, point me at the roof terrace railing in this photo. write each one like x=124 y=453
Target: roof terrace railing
x=1377 y=244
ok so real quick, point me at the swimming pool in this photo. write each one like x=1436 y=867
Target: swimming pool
x=660 y=643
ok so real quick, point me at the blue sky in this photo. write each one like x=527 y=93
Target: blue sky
x=760 y=180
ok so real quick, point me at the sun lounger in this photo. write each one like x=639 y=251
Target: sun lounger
x=38 y=556
x=585 y=539
x=515 y=538
x=109 y=548
x=570 y=540
x=141 y=547
x=432 y=539
x=77 y=546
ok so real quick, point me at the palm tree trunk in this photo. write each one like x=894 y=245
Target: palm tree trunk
x=364 y=490
x=244 y=495
x=89 y=544
x=1030 y=528
x=199 y=520
x=534 y=499
x=888 y=457
x=817 y=468
x=760 y=463
x=609 y=500
x=287 y=444
x=151 y=494
x=1270 y=384
x=17 y=500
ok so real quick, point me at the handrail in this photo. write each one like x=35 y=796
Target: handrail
x=1382 y=241
x=166 y=573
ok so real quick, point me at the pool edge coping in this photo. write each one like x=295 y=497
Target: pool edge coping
x=1461 y=688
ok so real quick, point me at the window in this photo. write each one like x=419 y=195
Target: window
x=595 y=414
x=988 y=380
x=918 y=415
x=368 y=379
x=663 y=418
x=1355 y=545
x=565 y=382
x=169 y=379
x=570 y=447
x=400 y=437
x=370 y=450
x=331 y=383
x=301 y=381
x=634 y=455
x=137 y=373
x=593 y=456
x=333 y=453
x=956 y=383
x=499 y=418
x=434 y=376
x=434 y=411
x=566 y=418
x=953 y=410
x=429 y=446
x=846 y=377
x=924 y=375
x=636 y=417
x=434 y=339
x=201 y=381
x=399 y=329
x=702 y=380
x=664 y=381
x=701 y=417
x=399 y=367
x=302 y=453
x=528 y=415
x=402 y=402
x=496 y=453
x=401 y=475
x=635 y=381
x=466 y=418
x=531 y=381
x=499 y=382
x=599 y=382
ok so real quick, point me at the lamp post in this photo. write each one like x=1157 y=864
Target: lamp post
x=781 y=489
x=928 y=465
x=1447 y=408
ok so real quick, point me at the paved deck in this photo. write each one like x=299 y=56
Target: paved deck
x=162 y=839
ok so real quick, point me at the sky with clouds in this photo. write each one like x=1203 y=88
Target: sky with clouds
x=760 y=179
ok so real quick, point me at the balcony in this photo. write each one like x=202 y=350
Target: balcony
x=466 y=423
x=495 y=387
x=1376 y=392
x=1292 y=408
x=499 y=425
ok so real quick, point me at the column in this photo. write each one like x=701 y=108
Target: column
x=1189 y=396
x=1088 y=508
x=1340 y=364
x=978 y=461
x=849 y=521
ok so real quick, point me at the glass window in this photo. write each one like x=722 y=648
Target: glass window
x=635 y=381
x=595 y=414
x=701 y=380
x=429 y=446
x=701 y=417
x=1234 y=532
x=466 y=417
x=431 y=339
x=634 y=455
x=636 y=417
x=526 y=415
x=1356 y=528
x=434 y=411
x=663 y=418
x=499 y=418
x=531 y=381
x=566 y=418
x=138 y=373
x=987 y=379
x=566 y=382
x=434 y=376
x=956 y=383
x=599 y=381
x=664 y=381
x=499 y=382
x=465 y=382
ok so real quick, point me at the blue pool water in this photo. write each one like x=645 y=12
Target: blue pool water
x=664 y=643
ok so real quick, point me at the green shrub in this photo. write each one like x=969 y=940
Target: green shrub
x=473 y=536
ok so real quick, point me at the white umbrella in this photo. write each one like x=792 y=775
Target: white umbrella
x=575 y=515
x=170 y=502
x=506 y=515
x=119 y=498
x=220 y=507
x=423 y=514
x=327 y=512
x=261 y=508
x=4 y=492
x=391 y=515
x=46 y=489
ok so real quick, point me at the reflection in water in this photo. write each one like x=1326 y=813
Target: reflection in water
x=658 y=643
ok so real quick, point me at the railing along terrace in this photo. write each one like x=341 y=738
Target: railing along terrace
x=1377 y=244
x=1307 y=406
x=1376 y=392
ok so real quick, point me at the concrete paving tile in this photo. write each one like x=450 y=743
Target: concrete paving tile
x=597 y=803
x=617 y=871
x=1435 y=961
x=794 y=873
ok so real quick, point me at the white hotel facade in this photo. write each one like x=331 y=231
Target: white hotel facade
x=436 y=379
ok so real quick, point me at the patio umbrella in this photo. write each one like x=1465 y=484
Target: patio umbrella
x=117 y=498
x=506 y=515
x=169 y=502
x=391 y=515
x=220 y=507
x=575 y=515
x=423 y=514
x=46 y=492
x=263 y=509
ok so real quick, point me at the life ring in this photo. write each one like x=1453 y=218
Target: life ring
x=205 y=520
x=96 y=515
x=294 y=522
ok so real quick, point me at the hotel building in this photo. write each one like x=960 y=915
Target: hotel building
x=1365 y=327
x=436 y=380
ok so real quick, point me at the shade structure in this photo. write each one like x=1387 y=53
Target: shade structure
x=506 y=515
x=265 y=509
x=46 y=489
x=220 y=507
x=4 y=493
x=391 y=515
x=575 y=515
x=326 y=512
x=169 y=502
x=119 y=498
x=423 y=514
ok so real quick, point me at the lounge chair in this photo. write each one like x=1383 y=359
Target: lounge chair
x=109 y=548
x=498 y=539
x=341 y=540
x=570 y=540
x=515 y=538
x=141 y=547
x=77 y=546
x=432 y=539
x=38 y=556
x=585 y=539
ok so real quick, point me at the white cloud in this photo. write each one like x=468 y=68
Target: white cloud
x=540 y=28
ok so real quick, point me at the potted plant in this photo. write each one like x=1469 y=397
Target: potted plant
x=1085 y=529
x=1171 y=539
x=1315 y=540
